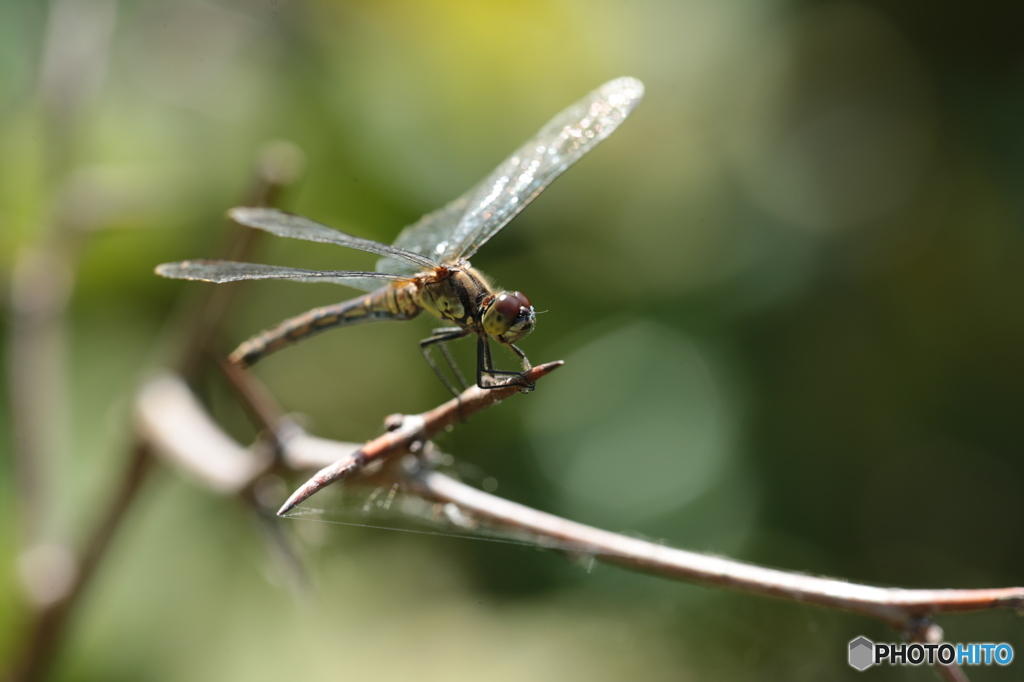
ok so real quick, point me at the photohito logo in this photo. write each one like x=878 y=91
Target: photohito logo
x=864 y=653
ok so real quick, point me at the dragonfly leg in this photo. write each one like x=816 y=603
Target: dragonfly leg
x=439 y=338
x=522 y=356
x=453 y=365
x=485 y=366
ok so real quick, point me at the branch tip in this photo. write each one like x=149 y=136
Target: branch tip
x=539 y=371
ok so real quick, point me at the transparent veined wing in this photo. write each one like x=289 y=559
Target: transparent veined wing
x=230 y=271
x=464 y=225
x=429 y=234
x=298 y=227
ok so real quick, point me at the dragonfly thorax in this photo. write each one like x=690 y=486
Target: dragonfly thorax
x=453 y=293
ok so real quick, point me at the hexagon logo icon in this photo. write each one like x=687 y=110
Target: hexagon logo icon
x=862 y=653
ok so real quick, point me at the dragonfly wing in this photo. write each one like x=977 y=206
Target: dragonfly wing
x=229 y=271
x=428 y=236
x=297 y=227
x=536 y=164
x=462 y=227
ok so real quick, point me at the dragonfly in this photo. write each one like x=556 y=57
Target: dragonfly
x=427 y=268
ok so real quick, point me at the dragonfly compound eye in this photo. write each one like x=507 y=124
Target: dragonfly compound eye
x=521 y=297
x=510 y=317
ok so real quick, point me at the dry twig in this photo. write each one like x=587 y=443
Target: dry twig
x=907 y=611
x=277 y=167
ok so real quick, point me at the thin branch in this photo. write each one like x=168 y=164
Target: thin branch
x=896 y=607
x=46 y=632
x=266 y=414
x=907 y=611
x=925 y=631
x=411 y=431
x=72 y=66
x=279 y=545
x=277 y=166
x=169 y=416
x=165 y=410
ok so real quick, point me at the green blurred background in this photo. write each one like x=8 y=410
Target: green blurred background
x=788 y=291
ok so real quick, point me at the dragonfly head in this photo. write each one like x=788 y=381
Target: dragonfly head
x=509 y=317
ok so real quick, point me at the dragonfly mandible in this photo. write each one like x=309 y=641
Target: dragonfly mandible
x=427 y=268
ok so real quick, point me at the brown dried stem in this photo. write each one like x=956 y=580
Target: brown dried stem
x=899 y=608
x=72 y=65
x=46 y=632
x=277 y=166
x=907 y=611
x=409 y=433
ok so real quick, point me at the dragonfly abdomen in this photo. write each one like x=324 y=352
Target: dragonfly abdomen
x=387 y=303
